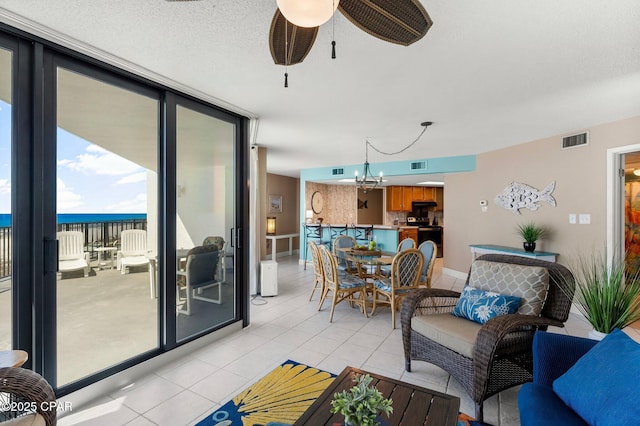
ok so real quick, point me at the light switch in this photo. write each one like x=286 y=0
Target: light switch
x=572 y=218
x=584 y=218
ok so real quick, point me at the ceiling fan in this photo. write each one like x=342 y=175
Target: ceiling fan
x=397 y=21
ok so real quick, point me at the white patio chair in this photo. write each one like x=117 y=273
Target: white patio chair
x=133 y=249
x=71 y=254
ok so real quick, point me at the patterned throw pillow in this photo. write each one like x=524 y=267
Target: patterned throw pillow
x=480 y=305
x=528 y=282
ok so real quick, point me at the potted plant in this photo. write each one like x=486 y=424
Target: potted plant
x=606 y=293
x=361 y=404
x=530 y=233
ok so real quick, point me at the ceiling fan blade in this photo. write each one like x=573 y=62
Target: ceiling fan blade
x=396 y=21
x=289 y=44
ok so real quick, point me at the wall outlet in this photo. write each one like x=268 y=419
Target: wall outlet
x=572 y=218
x=584 y=219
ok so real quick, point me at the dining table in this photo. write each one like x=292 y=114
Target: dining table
x=368 y=262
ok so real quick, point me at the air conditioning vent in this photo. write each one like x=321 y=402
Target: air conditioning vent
x=418 y=165
x=337 y=172
x=574 y=141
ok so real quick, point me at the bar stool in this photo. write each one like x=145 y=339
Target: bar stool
x=362 y=234
x=336 y=231
x=312 y=232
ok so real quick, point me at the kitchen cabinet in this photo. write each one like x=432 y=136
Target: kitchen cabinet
x=399 y=198
x=409 y=233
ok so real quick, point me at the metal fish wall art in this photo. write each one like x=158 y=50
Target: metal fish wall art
x=518 y=196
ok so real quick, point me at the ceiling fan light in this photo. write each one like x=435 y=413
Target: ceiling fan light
x=307 y=13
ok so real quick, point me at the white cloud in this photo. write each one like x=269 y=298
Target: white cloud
x=5 y=187
x=66 y=198
x=134 y=178
x=136 y=205
x=99 y=161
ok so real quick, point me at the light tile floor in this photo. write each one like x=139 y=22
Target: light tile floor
x=287 y=326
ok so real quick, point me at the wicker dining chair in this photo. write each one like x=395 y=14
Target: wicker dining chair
x=344 y=264
x=486 y=358
x=429 y=250
x=407 y=243
x=343 y=286
x=318 y=271
x=26 y=388
x=405 y=271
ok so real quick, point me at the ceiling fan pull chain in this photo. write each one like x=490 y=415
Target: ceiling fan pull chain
x=333 y=33
x=286 y=55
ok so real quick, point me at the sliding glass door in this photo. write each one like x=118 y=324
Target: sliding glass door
x=205 y=216
x=6 y=252
x=121 y=214
x=106 y=198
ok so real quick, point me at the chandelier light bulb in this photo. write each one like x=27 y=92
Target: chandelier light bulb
x=307 y=13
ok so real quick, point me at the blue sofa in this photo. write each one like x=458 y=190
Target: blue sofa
x=553 y=355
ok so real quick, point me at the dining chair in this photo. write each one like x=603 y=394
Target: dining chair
x=405 y=272
x=429 y=251
x=221 y=244
x=312 y=232
x=343 y=286
x=199 y=273
x=71 y=254
x=407 y=243
x=344 y=264
x=318 y=272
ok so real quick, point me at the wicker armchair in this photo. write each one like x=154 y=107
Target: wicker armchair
x=501 y=353
x=23 y=388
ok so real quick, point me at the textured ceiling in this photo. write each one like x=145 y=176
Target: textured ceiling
x=489 y=73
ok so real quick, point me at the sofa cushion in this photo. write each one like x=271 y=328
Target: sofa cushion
x=540 y=406
x=603 y=385
x=527 y=282
x=457 y=334
x=481 y=305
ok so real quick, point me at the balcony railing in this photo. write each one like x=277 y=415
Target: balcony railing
x=96 y=234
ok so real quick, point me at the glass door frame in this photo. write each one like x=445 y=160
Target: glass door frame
x=21 y=181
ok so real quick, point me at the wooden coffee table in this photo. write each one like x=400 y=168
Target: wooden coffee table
x=411 y=403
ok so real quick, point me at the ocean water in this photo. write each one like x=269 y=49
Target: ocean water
x=5 y=219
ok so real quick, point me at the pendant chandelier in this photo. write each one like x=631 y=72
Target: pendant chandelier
x=367 y=181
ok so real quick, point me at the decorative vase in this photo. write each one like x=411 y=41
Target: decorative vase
x=597 y=335
x=529 y=246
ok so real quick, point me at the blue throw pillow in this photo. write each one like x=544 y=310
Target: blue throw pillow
x=603 y=385
x=480 y=305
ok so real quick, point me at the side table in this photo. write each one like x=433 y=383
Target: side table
x=13 y=358
x=103 y=261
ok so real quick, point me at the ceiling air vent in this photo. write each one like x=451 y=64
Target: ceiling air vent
x=337 y=172
x=573 y=141
x=418 y=165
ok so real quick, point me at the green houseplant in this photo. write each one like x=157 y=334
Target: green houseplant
x=361 y=404
x=530 y=233
x=606 y=293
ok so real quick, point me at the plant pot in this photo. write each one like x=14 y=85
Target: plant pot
x=529 y=246
x=597 y=335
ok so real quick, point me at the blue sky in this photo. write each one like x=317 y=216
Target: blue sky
x=90 y=179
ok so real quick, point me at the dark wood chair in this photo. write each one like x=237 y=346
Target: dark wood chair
x=501 y=353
